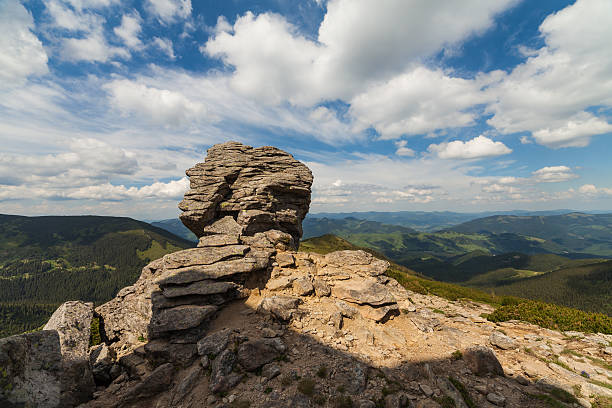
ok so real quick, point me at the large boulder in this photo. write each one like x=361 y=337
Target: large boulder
x=72 y=321
x=261 y=188
x=31 y=370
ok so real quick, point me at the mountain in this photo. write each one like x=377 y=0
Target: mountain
x=314 y=227
x=576 y=232
x=176 y=226
x=47 y=260
x=504 y=263
x=404 y=244
x=427 y=221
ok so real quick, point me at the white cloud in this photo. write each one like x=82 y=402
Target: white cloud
x=550 y=93
x=21 y=52
x=92 y=48
x=591 y=190
x=165 y=45
x=553 y=174
x=577 y=131
x=87 y=161
x=169 y=10
x=274 y=63
x=402 y=150
x=477 y=148
x=160 y=106
x=129 y=30
x=418 y=101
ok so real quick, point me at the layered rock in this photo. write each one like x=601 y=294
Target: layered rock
x=261 y=188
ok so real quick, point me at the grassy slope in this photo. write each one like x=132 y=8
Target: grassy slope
x=577 y=232
x=587 y=287
x=47 y=260
x=544 y=314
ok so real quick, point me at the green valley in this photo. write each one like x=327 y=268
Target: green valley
x=45 y=261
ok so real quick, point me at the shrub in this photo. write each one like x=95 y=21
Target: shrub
x=322 y=371
x=457 y=355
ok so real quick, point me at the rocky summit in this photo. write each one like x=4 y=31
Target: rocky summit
x=246 y=320
x=262 y=189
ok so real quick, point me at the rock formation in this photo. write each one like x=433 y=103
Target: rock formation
x=246 y=320
x=262 y=189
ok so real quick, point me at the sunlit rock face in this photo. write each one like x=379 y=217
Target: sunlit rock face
x=261 y=188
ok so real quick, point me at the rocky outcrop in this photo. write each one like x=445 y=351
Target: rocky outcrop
x=31 y=370
x=261 y=188
x=72 y=322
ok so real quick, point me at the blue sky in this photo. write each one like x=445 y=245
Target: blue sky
x=394 y=105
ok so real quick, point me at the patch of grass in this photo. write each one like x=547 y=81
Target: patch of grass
x=306 y=386
x=602 y=402
x=445 y=401
x=94 y=336
x=322 y=372
x=439 y=311
x=554 y=317
x=601 y=384
x=563 y=395
x=341 y=401
x=463 y=391
x=547 y=399
x=600 y=362
x=571 y=352
x=286 y=380
x=268 y=390
x=457 y=355
x=240 y=404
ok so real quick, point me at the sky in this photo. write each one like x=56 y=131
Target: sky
x=466 y=106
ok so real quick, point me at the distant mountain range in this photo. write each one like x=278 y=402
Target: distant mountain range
x=429 y=221
x=45 y=261
x=176 y=226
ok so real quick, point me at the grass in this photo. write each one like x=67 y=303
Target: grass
x=94 y=335
x=306 y=386
x=602 y=402
x=341 y=401
x=445 y=402
x=463 y=391
x=554 y=317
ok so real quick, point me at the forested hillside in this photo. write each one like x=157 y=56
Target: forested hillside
x=45 y=261
x=576 y=232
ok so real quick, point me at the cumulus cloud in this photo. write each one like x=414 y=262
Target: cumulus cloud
x=21 y=52
x=160 y=106
x=554 y=174
x=591 y=190
x=550 y=93
x=169 y=10
x=477 y=148
x=273 y=62
x=92 y=48
x=402 y=150
x=418 y=101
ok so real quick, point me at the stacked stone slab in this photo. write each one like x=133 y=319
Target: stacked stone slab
x=245 y=204
x=262 y=189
